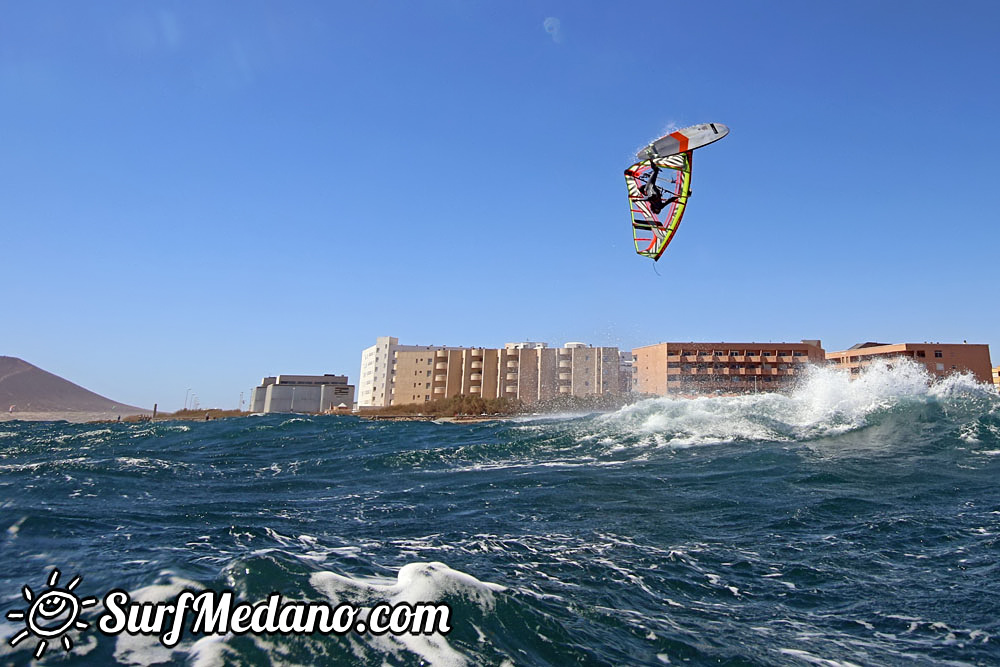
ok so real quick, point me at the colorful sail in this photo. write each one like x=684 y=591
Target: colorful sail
x=653 y=229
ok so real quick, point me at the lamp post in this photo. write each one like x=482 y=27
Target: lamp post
x=186 y=398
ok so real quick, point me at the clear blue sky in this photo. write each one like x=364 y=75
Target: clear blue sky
x=195 y=195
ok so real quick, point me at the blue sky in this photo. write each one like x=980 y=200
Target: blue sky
x=193 y=196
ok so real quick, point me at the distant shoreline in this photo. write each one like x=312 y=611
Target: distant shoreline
x=431 y=418
x=212 y=415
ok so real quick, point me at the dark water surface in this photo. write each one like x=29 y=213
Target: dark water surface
x=851 y=523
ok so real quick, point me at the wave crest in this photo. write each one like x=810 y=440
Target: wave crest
x=826 y=402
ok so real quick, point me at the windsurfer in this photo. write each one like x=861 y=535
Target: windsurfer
x=652 y=193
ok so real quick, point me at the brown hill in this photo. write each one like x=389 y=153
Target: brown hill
x=31 y=390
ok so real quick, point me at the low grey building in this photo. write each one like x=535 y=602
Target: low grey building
x=303 y=393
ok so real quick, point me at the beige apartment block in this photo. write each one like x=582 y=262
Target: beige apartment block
x=996 y=378
x=939 y=359
x=375 y=387
x=533 y=374
x=526 y=371
x=728 y=368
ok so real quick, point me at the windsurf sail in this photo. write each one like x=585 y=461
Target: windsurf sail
x=653 y=230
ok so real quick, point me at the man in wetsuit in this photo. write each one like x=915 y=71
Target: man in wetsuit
x=652 y=194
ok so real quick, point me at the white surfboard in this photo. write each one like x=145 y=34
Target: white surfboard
x=686 y=139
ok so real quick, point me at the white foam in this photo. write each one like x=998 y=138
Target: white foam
x=15 y=527
x=147 y=650
x=209 y=651
x=415 y=582
x=826 y=402
x=806 y=656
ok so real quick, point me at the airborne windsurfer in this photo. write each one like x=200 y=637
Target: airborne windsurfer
x=657 y=210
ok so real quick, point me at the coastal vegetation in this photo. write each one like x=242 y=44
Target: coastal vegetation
x=465 y=405
x=185 y=415
x=456 y=406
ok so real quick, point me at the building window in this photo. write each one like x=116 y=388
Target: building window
x=938 y=354
x=940 y=367
x=921 y=354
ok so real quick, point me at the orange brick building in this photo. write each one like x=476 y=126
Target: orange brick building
x=939 y=359
x=703 y=368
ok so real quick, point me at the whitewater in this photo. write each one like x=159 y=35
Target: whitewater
x=849 y=522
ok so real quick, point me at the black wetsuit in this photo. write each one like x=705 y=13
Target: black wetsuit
x=653 y=195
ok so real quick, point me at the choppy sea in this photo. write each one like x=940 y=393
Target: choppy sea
x=850 y=522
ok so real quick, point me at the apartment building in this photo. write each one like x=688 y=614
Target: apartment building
x=375 y=385
x=534 y=374
x=996 y=378
x=704 y=368
x=625 y=372
x=939 y=359
x=528 y=371
x=302 y=393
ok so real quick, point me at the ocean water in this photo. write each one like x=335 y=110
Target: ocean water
x=847 y=523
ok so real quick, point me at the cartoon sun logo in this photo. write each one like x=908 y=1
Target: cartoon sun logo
x=51 y=614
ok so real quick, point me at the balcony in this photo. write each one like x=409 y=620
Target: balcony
x=565 y=364
x=512 y=363
x=476 y=377
x=565 y=390
x=476 y=364
x=438 y=390
x=510 y=389
x=475 y=390
x=566 y=376
x=512 y=376
x=440 y=378
x=441 y=365
x=441 y=354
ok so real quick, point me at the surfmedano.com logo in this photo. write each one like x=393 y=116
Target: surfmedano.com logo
x=54 y=612
x=51 y=614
